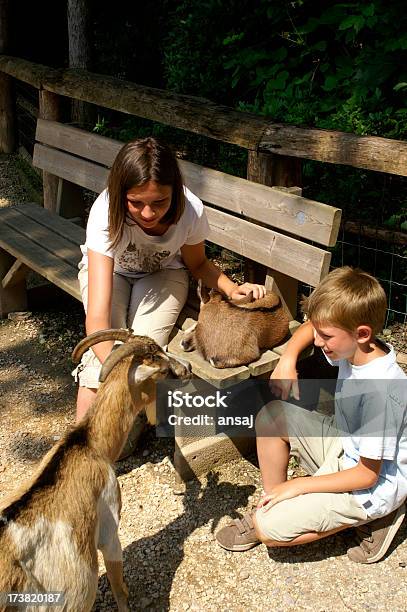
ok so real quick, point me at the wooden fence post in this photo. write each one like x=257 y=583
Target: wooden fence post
x=7 y=115
x=49 y=105
x=274 y=171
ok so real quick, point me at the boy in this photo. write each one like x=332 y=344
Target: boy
x=358 y=458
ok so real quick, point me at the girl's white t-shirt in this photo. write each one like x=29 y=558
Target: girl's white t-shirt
x=138 y=253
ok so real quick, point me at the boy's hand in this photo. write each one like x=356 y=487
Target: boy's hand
x=285 y=490
x=284 y=379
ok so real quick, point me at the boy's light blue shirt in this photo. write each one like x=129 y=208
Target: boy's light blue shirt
x=371 y=414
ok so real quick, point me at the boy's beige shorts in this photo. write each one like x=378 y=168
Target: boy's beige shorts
x=317 y=444
x=149 y=305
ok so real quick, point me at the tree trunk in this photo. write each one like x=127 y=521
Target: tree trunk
x=79 y=53
x=7 y=102
x=4 y=25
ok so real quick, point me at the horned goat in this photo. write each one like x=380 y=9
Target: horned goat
x=51 y=528
x=231 y=333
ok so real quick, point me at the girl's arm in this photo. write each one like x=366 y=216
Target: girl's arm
x=201 y=268
x=100 y=285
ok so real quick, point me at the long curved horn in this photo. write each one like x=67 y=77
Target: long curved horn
x=141 y=345
x=102 y=335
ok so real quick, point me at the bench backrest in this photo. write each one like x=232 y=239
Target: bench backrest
x=244 y=216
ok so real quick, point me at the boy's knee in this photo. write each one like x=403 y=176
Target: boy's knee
x=271 y=527
x=268 y=418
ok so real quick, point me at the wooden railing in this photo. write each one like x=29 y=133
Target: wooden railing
x=203 y=117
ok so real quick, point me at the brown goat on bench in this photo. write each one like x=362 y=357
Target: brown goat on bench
x=231 y=333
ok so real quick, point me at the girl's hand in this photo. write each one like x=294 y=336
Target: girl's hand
x=259 y=291
x=285 y=490
x=284 y=379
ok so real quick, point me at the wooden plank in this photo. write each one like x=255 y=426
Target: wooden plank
x=16 y=275
x=209 y=119
x=281 y=209
x=58 y=225
x=79 y=142
x=36 y=256
x=286 y=211
x=265 y=363
x=56 y=246
x=369 y=152
x=287 y=255
x=269 y=169
x=83 y=173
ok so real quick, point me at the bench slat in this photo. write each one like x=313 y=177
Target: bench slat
x=291 y=213
x=287 y=255
x=38 y=256
x=39 y=234
x=85 y=144
x=59 y=225
x=79 y=171
x=286 y=211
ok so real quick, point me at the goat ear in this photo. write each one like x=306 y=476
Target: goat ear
x=143 y=372
x=203 y=292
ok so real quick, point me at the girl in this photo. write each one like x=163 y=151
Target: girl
x=143 y=231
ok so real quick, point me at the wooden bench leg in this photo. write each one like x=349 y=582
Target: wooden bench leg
x=70 y=202
x=13 y=291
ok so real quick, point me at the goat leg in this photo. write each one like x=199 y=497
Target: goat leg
x=114 y=571
x=108 y=541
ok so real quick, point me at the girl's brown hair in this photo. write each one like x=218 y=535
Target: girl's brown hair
x=137 y=163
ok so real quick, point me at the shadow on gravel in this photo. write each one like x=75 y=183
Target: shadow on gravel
x=150 y=563
x=34 y=362
x=26 y=446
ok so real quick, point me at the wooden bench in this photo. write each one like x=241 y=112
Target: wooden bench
x=267 y=225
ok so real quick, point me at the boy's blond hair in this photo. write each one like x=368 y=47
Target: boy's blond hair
x=346 y=298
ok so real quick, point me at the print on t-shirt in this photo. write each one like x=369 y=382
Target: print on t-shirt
x=134 y=259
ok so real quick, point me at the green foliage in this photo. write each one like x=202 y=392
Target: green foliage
x=343 y=67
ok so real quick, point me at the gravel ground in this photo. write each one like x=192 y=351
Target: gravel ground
x=171 y=559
